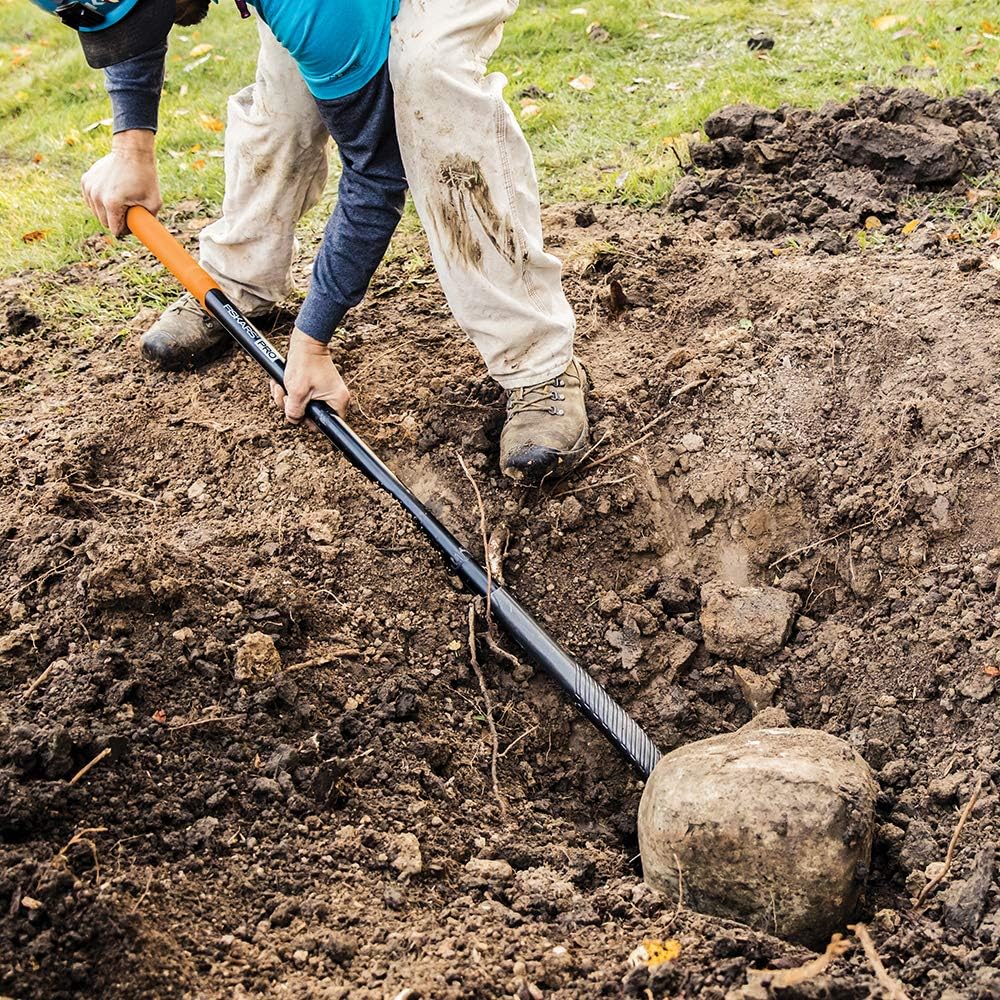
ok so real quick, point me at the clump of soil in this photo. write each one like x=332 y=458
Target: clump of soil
x=792 y=171
x=327 y=826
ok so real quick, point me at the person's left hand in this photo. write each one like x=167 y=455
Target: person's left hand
x=309 y=375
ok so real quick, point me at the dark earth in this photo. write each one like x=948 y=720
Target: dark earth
x=269 y=669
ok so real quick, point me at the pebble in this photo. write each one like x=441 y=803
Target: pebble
x=692 y=442
x=257 y=658
x=408 y=860
x=746 y=623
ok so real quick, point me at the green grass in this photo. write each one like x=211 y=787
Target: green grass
x=663 y=67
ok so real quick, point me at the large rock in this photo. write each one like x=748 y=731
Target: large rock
x=746 y=623
x=771 y=827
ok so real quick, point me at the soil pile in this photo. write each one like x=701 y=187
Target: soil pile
x=268 y=671
x=791 y=171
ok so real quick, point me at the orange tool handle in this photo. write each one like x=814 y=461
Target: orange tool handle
x=170 y=253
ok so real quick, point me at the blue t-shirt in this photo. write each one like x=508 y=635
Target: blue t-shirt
x=339 y=45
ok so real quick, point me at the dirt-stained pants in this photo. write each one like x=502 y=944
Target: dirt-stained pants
x=470 y=173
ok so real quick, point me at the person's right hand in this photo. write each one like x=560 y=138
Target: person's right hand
x=125 y=177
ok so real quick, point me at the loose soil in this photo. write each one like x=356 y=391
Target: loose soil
x=302 y=826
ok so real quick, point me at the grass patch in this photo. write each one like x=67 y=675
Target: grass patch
x=654 y=72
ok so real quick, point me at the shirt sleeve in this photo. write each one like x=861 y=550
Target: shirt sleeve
x=134 y=87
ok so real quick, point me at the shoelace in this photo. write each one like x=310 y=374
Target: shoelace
x=538 y=398
x=188 y=303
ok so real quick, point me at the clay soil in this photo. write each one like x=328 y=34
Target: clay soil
x=826 y=421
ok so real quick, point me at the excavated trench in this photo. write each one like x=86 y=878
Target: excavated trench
x=325 y=824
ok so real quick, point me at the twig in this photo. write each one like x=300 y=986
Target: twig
x=513 y=743
x=893 y=989
x=86 y=767
x=145 y=892
x=594 y=486
x=498 y=650
x=489 y=712
x=485 y=537
x=205 y=722
x=115 y=491
x=822 y=541
x=645 y=432
x=40 y=679
x=966 y=812
x=80 y=837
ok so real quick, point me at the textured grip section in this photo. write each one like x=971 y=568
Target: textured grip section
x=615 y=721
x=623 y=731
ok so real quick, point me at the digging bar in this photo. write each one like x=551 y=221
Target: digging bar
x=589 y=696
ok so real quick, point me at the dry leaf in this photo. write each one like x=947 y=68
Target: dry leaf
x=198 y=165
x=582 y=83
x=579 y=11
x=596 y=32
x=212 y=124
x=889 y=21
x=530 y=109
x=35 y=236
x=873 y=222
x=652 y=953
x=37 y=158
x=200 y=50
x=953 y=237
x=910 y=226
x=988 y=28
x=991 y=671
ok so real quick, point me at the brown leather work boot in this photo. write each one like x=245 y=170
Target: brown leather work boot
x=185 y=336
x=546 y=429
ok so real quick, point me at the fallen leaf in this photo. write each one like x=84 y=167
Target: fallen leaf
x=530 y=110
x=579 y=11
x=677 y=17
x=785 y=978
x=653 y=952
x=988 y=28
x=198 y=165
x=969 y=49
x=873 y=222
x=200 y=50
x=910 y=226
x=212 y=124
x=160 y=716
x=582 y=83
x=991 y=671
x=72 y=137
x=37 y=158
x=889 y=21
x=183 y=91
x=35 y=236
x=98 y=124
x=953 y=237
x=973 y=195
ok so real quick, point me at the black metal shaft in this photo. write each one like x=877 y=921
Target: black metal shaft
x=591 y=698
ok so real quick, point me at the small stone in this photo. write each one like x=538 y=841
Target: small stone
x=760 y=41
x=979 y=687
x=944 y=790
x=322 y=526
x=257 y=658
x=692 y=442
x=196 y=489
x=758 y=691
x=746 y=623
x=609 y=602
x=408 y=860
x=730 y=811
x=965 y=900
x=486 y=872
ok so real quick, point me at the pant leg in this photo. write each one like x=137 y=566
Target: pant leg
x=370 y=199
x=472 y=179
x=275 y=149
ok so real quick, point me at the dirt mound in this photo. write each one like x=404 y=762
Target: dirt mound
x=174 y=825
x=791 y=171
